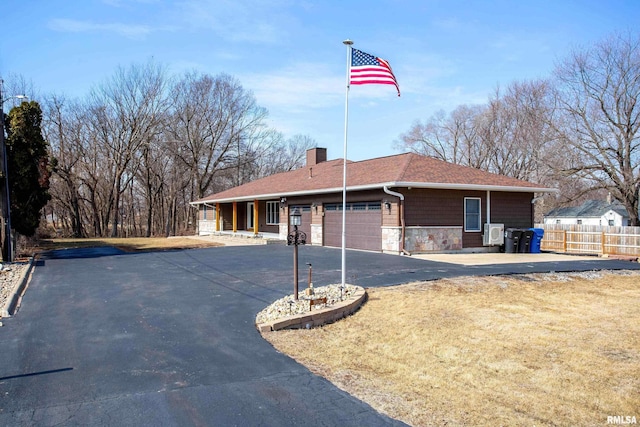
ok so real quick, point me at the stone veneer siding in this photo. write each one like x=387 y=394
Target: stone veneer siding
x=391 y=239
x=316 y=234
x=422 y=239
x=206 y=227
x=283 y=230
x=433 y=239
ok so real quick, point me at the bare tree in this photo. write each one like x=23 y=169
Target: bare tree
x=289 y=156
x=63 y=130
x=133 y=154
x=126 y=113
x=430 y=138
x=518 y=135
x=274 y=154
x=597 y=116
x=451 y=137
x=212 y=117
x=152 y=176
x=507 y=135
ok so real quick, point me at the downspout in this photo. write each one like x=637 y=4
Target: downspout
x=402 y=226
x=533 y=209
x=488 y=207
x=535 y=199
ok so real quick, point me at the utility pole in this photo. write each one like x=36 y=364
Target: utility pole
x=7 y=240
x=7 y=253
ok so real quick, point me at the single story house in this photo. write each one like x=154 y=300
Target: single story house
x=591 y=212
x=401 y=203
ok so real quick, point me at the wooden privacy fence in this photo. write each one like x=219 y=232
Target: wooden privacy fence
x=591 y=239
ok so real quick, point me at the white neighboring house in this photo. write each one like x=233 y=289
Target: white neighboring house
x=591 y=212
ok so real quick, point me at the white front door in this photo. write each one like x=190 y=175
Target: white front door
x=250 y=216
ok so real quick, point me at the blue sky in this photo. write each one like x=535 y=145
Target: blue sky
x=290 y=53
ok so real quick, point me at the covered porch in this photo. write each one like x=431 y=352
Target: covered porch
x=242 y=219
x=243 y=234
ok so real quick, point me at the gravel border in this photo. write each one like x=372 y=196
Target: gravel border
x=13 y=281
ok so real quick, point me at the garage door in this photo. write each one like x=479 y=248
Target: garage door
x=363 y=231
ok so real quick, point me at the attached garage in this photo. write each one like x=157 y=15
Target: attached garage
x=364 y=222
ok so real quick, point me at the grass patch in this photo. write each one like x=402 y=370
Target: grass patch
x=531 y=350
x=133 y=244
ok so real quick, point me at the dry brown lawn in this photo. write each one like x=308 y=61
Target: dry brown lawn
x=513 y=350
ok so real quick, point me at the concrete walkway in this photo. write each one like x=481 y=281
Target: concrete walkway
x=501 y=258
x=240 y=239
x=463 y=258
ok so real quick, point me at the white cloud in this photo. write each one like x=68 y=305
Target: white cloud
x=265 y=22
x=300 y=87
x=121 y=3
x=125 y=30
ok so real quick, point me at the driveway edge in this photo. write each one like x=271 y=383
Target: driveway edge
x=16 y=294
x=318 y=317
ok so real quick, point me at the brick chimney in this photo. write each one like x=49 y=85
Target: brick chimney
x=316 y=155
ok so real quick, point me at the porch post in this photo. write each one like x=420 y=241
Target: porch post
x=235 y=217
x=217 y=216
x=255 y=217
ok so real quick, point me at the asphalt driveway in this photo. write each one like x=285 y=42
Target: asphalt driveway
x=167 y=338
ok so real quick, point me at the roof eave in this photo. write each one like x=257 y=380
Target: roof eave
x=434 y=185
x=476 y=187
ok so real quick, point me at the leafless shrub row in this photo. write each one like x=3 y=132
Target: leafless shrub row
x=132 y=154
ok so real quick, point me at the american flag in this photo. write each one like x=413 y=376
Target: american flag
x=370 y=70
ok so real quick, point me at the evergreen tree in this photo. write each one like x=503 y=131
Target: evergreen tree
x=28 y=165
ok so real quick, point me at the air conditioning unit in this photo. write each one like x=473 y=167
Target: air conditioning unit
x=493 y=234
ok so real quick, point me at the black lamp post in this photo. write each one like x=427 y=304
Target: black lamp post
x=296 y=238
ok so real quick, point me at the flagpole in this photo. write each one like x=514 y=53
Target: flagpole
x=347 y=43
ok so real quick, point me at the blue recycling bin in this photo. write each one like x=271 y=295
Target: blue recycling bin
x=538 y=234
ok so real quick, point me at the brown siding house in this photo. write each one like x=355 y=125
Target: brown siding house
x=401 y=203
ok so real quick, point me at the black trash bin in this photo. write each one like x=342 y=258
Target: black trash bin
x=512 y=240
x=525 y=241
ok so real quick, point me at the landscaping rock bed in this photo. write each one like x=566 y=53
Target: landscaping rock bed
x=287 y=306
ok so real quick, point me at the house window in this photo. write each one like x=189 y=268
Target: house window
x=579 y=222
x=557 y=221
x=273 y=214
x=208 y=213
x=472 y=214
x=611 y=224
x=370 y=206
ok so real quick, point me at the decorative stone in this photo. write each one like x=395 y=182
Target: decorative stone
x=287 y=306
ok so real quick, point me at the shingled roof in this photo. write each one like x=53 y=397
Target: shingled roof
x=401 y=170
x=589 y=209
